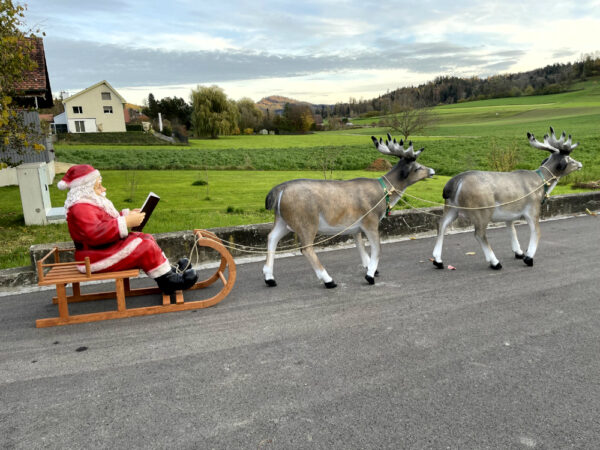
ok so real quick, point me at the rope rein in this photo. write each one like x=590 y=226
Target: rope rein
x=386 y=197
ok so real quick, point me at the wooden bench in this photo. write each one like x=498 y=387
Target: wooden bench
x=62 y=274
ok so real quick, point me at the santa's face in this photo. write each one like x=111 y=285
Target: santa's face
x=99 y=189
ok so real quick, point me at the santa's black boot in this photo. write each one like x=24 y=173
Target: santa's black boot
x=182 y=265
x=190 y=277
x=171 y=281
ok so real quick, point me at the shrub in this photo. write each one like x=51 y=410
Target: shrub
x=248 y=131
x=503 y=159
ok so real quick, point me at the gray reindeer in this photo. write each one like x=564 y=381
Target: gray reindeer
x=506 y=196
x=332 y=207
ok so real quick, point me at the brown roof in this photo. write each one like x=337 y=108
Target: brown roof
x=36 y=82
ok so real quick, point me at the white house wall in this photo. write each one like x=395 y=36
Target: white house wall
x=92 y=108
x=89 y=125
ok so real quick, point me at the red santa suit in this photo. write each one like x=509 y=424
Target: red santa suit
x=106 y=241
x=100 y=232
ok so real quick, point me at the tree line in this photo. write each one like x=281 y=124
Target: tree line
x=551 y=79
x=211 y=113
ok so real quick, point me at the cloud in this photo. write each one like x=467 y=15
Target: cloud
x=72 y=63
x=184 y=42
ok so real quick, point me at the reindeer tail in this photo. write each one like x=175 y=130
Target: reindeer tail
x=450 y=188
x=272 y=197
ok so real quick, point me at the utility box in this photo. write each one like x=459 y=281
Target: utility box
x=35 y=197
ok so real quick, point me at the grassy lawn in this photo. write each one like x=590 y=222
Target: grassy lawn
x=230 y=198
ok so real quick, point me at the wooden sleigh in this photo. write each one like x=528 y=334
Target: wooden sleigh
x=62 y=274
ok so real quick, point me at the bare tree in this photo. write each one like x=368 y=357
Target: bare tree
x=409 y=118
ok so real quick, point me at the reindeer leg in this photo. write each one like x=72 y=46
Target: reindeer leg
x=514 y=240
x=449 y=216
x=364 y=257
x=279 y=230
x=360 y=245
x=307 y=238
x=490 y=257
x=373 y=236
x=534 y=238
x=322 y=274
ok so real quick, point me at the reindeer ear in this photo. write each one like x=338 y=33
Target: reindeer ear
x=374 y=141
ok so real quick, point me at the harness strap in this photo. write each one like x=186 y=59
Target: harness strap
x=387 y=197
x=539 y=172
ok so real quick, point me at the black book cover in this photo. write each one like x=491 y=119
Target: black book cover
x=147 y=207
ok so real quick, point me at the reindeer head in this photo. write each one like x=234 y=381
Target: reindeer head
x=560 y=161
x=409 y=169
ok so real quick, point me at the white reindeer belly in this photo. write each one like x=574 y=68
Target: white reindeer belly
x=325 y=228
x=501 y=215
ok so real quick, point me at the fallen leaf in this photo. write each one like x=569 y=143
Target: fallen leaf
x=451 y=267
x=470 y=253
x=412 y=238
x=590 y=212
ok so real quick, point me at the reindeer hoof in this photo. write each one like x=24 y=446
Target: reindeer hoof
x=496 y=267
x=521 y=256
x=377 y=273
x=527 y=260
x=369 y=279
x=330 y=284
x=271 y=283
x=438 y=265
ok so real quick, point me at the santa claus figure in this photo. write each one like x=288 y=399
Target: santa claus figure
x=101 y=233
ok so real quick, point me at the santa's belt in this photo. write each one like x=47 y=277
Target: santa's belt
x=82 y=246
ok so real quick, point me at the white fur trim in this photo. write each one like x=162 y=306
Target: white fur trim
x=61 y=185
x=123 y=232
x=92 y=176
x=114 y=258
x=160 y=270
x=125 y=212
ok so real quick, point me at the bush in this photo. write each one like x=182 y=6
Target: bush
x=122 y=138
x=248 y=131
x=134 y=127
x=503 y=159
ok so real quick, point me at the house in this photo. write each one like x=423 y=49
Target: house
x=30 y=93
x=33 y=91
x=98 y=108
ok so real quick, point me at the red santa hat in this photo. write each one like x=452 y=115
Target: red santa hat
x=78 y=176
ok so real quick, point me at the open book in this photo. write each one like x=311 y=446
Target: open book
x=147 y=207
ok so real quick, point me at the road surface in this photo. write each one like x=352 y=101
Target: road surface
x=469 y=358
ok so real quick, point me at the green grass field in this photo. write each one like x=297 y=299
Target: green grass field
x=242 y=169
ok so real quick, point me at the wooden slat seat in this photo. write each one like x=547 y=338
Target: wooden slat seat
x=70 y=274
x=62 y=274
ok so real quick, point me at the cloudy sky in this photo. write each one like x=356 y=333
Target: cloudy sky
x=321 y=51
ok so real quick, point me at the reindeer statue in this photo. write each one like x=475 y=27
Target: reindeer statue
x=506 y=196
x=331 y=207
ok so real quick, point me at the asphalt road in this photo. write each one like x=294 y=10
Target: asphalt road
x=469 y=358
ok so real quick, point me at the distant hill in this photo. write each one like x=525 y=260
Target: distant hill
x=276 y=103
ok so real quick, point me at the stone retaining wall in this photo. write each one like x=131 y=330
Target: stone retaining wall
x=400 y=223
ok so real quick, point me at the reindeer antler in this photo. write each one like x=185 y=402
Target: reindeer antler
x=392 y=147
x=552 y=144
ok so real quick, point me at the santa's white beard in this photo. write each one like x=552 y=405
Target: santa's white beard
x=86 y=194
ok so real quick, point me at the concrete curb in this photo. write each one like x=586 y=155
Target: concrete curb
x=400 y=223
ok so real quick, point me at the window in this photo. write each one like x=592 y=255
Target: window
x=80 y=126
x=78 y=109
x=108 y=110
x=106 y=96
